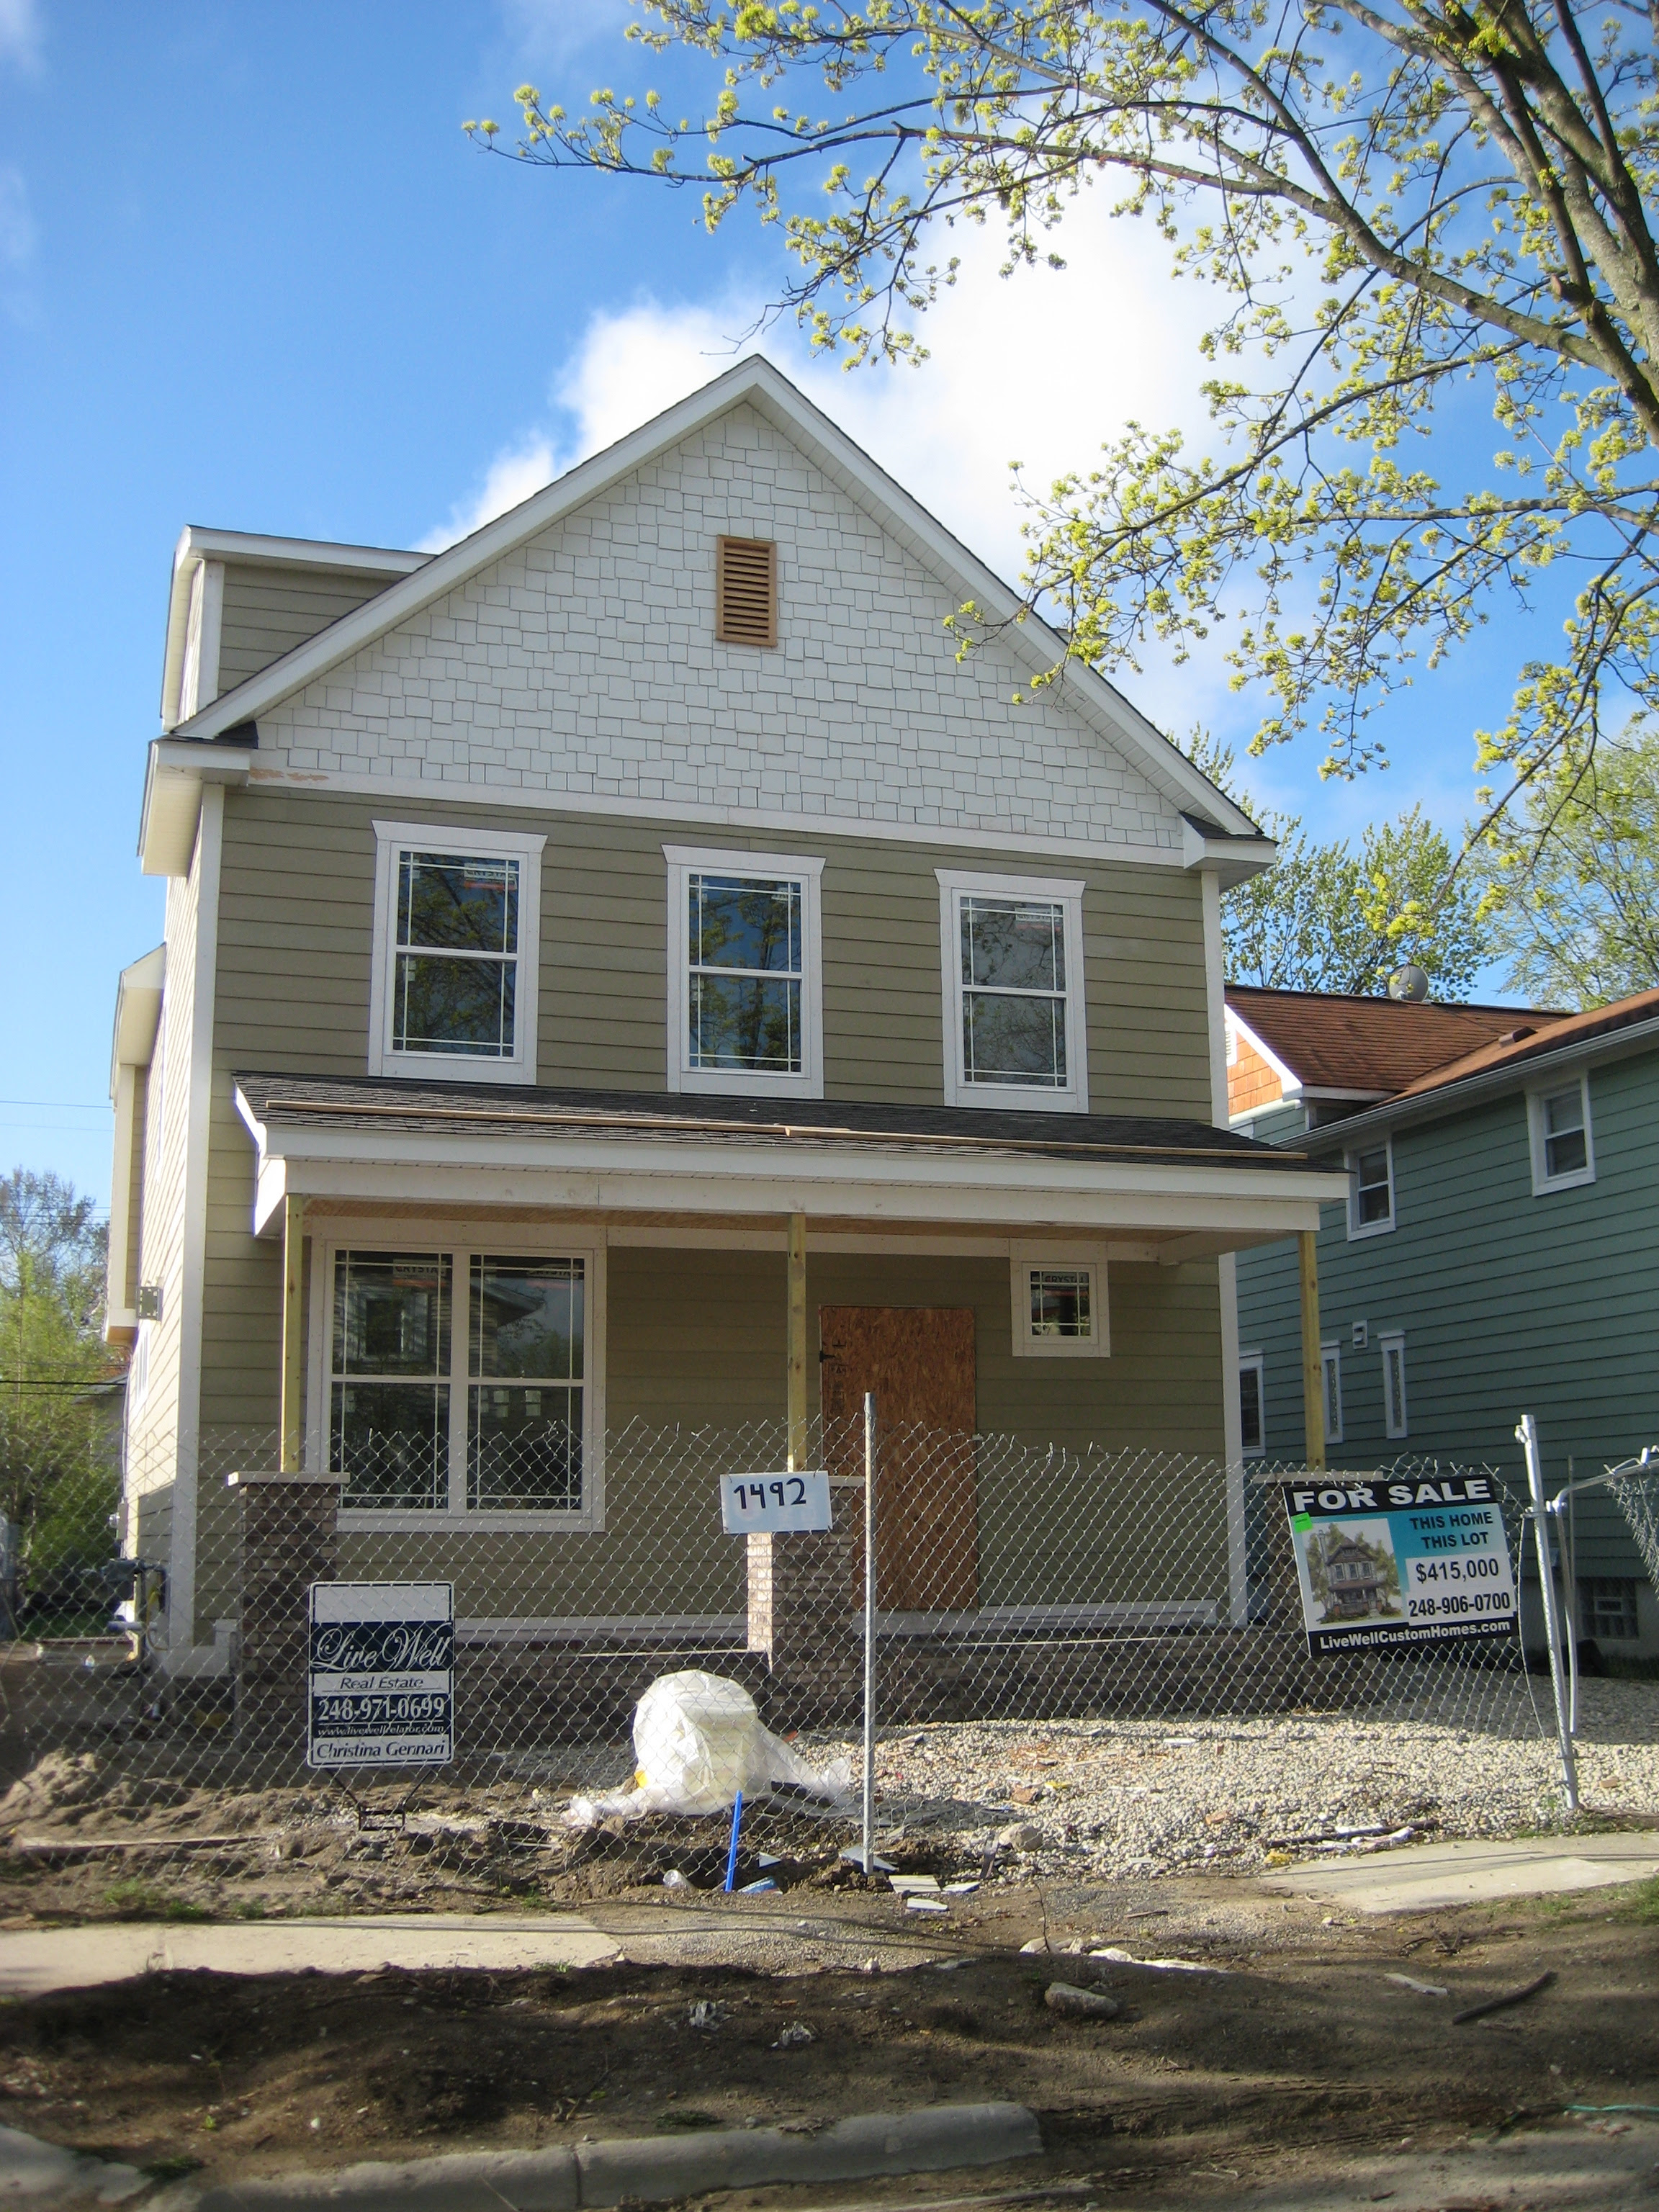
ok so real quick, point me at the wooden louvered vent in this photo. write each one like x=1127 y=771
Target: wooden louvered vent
x=745 y=591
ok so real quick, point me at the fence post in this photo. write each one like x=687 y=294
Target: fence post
x=1527 y=1433
x=869 y=1823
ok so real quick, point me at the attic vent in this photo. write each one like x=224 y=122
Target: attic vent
x=1521 y=1030
x=745 y=591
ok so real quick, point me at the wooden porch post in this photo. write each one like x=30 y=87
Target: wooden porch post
x=293 y=1233
x=797 y=1392
x=1313 y=1375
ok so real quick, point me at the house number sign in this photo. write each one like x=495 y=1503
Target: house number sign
x=381 y=1675
x=1384 y=1560
x=774 y=1504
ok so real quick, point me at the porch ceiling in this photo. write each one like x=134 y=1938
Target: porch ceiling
x=854 y=1168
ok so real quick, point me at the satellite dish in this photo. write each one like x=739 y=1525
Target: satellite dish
x=1410 y=983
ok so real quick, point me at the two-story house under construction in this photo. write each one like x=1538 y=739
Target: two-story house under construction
x=630 y=971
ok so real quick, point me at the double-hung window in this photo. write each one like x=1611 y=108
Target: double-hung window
x=1015 y=1032
x=453 y=984
x=1370 y=1189
x=1563 y=1146
x=1060 y=1302
x=461 y=1384
x=745 y=991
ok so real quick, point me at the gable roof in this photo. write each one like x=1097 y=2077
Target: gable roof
x=1361 y=1047
x=1558 y=1033
x=1218 y=832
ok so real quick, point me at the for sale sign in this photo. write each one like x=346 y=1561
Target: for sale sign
x=381 y=1675
x=1388 y=1560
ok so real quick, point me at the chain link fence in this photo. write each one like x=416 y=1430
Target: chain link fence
x=154 y=1696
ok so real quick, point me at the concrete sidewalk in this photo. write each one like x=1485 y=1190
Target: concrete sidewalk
x=1427 y=1877
x=34 y=1960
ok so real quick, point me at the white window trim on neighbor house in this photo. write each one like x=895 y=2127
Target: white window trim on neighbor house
x=686 y=860
x=1256 y=1362
x=1542 y=1180
x=1026 y=1259
x=1330 y=1378
x=392 y=839
x=1357 y=1228
x=1064 y=893
x=1391 y=1345
x=460 y=1242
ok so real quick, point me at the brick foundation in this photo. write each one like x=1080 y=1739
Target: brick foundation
x=804 y=1617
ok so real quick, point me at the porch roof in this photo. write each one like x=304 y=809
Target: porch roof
x=387 y=1138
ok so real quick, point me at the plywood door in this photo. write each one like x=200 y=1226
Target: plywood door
x=919 y=1360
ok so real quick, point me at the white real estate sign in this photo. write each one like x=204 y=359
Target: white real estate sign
x=775 y=1504
x=381 y=1675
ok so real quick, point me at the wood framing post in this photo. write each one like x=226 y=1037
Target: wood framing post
x=1313 y=1372
x=796 y=1392
x=294 y=1237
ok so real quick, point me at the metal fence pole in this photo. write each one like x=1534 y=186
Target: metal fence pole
x=1527 y=1433
x=869 y=1633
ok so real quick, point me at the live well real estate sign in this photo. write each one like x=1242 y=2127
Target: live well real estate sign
x=381 y=1675
x=1385 y=1561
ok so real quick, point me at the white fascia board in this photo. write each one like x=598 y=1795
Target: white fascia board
x=1233 y=860
x=174 y=776
x=757 y=383
x=197 y=544
x=137 y=1014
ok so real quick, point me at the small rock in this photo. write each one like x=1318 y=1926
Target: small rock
x=1023 y=1836
x=1073 y=2003
x=1037 y=1943
x=796 y=2033
x=675 y=1880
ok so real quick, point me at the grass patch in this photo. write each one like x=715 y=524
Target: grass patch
x=1641 y=1902
x=689 y=2119
x=136 y=1900
x=172 y=2169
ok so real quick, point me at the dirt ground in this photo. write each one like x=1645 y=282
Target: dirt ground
x=1203 y=2080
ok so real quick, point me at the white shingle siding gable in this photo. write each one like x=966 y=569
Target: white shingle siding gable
x=585 y=665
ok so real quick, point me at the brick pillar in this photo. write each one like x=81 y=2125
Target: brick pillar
x=805 y=1595
x=289 y=1530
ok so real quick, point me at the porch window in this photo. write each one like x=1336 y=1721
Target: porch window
x=454 y=976
x=1060 y=1302
x=746 y=990
x=1252 y=1409
x=484 y=1414
x=1014 y=992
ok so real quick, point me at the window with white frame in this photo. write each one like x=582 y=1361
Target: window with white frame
x=745 y=973
x=1392 y=1346
x=460 y=1383
x=1252 y=1404
x=1059 y=1309
x=1015 y=1033
x=453 y=988
x=1330 y=1374
x=1563 y=1144
x=1370 y=1188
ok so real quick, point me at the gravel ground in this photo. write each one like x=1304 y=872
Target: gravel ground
x=1136 y=1799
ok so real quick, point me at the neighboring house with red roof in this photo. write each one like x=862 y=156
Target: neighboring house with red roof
x=1497 y=1253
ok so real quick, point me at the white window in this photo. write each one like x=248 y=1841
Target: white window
x=745 y=974
x=457 y=930
x=456 y=1384
x=1252 y=1404
x=1392 y=1346
x=1013 y=967
x=1060 y=1309
x=1330 y=1373
x=1563 y=1145
x=1370 y=1188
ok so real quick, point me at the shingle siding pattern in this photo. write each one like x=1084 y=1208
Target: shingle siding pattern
x=585 y=665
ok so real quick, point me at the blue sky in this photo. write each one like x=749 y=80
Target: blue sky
x=252 y=275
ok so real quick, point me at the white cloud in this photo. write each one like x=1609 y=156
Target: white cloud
x=511 y=477
x=20 y=33
x=555 y=30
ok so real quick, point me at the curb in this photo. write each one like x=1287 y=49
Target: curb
x=647 y=2168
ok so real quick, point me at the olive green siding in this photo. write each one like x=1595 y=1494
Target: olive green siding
x=266 y=613
x=1510 y=1303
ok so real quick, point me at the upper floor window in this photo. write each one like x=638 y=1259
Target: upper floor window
x=1563 y=1145
x=745 y=591
x=1370 y=1189
x=746 y=990
x=1013 y=968
x=455 y=979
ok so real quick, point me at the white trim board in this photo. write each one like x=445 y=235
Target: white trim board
x=755 y=383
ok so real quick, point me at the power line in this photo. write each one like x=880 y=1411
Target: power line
x=75 y=1105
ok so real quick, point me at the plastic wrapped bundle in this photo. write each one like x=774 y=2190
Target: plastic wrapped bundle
x=697 y=1740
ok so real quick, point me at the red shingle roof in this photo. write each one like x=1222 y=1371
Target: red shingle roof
x=1376 y=1047
x=1560 y=1030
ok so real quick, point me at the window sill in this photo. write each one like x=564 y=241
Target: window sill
x=1359 y=1231
x=1021 y=1097
x=450 y=1067
x=1546 y=1186
x=741 y=1083
x=409 y=1521
x=1060 y=1347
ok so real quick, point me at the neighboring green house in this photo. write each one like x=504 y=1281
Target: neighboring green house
x=1498 y=1253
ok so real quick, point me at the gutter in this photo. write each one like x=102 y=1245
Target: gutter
x=1484 y=1083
